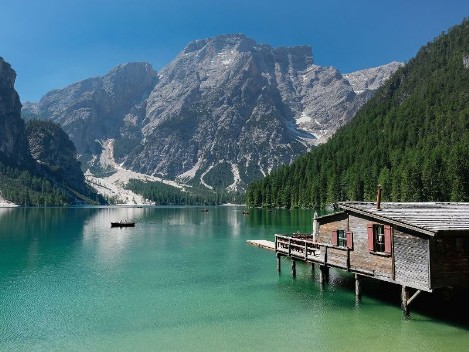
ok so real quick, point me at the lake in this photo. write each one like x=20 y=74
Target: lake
x=185 y=280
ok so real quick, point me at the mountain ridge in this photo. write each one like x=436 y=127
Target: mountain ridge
x=38 y=164
x=224 y=106
x=411 y=137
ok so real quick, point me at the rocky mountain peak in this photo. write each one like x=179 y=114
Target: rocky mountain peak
x=95 y=109
x=9 y=99
x=127 y=78
x=13 y=143
x=225 y=111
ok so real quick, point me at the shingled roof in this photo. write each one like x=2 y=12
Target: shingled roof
x=433 y=219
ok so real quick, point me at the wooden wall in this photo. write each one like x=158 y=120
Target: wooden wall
x=411 y=256
x=334 y=256
x=449 y=262
x=417 y=260
x=360 y=257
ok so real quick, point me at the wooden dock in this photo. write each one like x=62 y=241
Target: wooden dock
x=270 y=245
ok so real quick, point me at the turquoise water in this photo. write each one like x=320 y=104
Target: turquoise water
x=184 y=280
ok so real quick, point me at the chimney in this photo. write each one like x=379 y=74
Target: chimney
x=378 y=198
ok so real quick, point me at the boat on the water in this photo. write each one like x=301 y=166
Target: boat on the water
x=123 y=224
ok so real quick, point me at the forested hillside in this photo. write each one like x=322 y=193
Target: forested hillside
x=412 y=137
x=54 y=178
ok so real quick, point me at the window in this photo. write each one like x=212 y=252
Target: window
x=379 y=238
x=342 y=238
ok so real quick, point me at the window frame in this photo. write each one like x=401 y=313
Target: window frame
x=379 y=239
x=345 y=240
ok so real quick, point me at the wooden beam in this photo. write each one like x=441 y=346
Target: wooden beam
x=409 y=301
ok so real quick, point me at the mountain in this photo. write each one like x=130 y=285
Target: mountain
x=371 y=78
x=225 y=111
x=13 y=142
x=412 y=137
x=38 y=164
x=53 y=150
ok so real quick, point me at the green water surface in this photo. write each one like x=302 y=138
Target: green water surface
x=185 y=280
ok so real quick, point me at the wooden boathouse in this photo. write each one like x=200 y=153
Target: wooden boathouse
x=419 y=246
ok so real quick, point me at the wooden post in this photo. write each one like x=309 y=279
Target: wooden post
x=324 y=274
x=293 y=267
x=404 y=301
x=279 y=256
x=358 y=289
x=312 y=268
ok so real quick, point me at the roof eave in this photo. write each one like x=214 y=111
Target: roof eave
x=387 y=220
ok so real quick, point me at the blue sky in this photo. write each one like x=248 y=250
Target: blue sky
x=52 y=43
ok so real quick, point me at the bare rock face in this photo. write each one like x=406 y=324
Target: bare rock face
x=13 y=143
x=95 y=109
x=53 y=150
x=226 y=108
x=371 y=78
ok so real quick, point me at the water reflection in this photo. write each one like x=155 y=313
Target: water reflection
x=32 y=237
x=291 y=220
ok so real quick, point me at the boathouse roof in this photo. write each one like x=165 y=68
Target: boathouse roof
x=433 y=219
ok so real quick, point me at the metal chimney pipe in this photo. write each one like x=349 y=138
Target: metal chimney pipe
x=378 y=198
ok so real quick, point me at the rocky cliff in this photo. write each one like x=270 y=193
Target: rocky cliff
x=225 y=111
x=46 y=174
x=51 y=147
x=371 y=78
x=97 y=108
x=13 y=143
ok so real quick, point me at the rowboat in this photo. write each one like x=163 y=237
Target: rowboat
x=122 y=224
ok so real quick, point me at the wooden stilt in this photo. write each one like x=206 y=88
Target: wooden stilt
x=293 y=267
x=358 y=289
x=324 y=274
x=312 y=268
x=405 y=301
x=279 y=257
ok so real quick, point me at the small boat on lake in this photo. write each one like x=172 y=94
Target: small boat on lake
x=204 y=210
x=123 y=224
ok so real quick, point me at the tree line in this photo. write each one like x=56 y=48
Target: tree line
x=163 y=194
x=412 y=137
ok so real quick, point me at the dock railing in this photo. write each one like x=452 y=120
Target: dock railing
x=303 y=248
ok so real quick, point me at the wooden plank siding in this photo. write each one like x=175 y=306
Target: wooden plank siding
x=411 y=253
x=449 y=262
x=407 y=265
x=361 y=258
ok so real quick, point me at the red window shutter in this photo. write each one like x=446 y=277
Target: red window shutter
x=334 y=238
x=371 y=244
x=349 y=239
x=387 y=239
